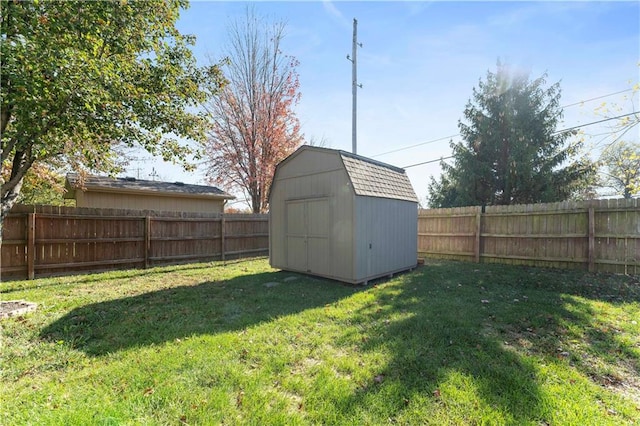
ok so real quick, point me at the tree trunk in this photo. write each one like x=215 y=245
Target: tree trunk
x=11 y=188
x=7 y=202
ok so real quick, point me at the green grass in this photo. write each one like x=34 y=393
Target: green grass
x=450 y=343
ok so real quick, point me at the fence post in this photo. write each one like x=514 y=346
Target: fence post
x=478 y=230
x=31 y=245
x=222 y=229
x=147 y=240
x=592 y=240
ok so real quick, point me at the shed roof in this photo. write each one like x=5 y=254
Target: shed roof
x=376 y=179
x=140 y=186
x=369 y=177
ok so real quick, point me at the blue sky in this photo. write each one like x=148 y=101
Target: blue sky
x=421 y=60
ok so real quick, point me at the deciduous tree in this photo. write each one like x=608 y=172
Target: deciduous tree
x=512 y=151
x=620 y=158
x=620 y=163
x=254 y=125
x=78 y=78
x=623 y=127
x=42 y=184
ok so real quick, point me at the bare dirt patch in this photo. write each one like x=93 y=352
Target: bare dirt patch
x=12 y=308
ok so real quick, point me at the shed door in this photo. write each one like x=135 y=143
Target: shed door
x=308 y=224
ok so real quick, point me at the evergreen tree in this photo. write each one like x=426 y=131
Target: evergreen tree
x=511 y=152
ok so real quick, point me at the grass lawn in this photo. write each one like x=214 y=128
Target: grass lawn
x=450 y=343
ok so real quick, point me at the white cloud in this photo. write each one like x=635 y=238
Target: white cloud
x=336 y=14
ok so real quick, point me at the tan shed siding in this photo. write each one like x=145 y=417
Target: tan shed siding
x=315 y=210
x=386 y=236
x=147 y=202
x=332 y=185
x=309 y=162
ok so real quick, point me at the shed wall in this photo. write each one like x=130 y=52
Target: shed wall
x=386 y=237
x=300 y=188
x=318 y=224
x=147 y=202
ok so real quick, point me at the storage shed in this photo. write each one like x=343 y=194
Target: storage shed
x=137 y=194
x=341 y=216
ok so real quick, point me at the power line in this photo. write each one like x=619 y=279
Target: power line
x=596 y=98
x=413 y=146
x=453 y=136
x=554 y=133
x=594 y=122
x=427 y=162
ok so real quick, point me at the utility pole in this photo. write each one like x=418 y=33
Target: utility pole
x=354 y=87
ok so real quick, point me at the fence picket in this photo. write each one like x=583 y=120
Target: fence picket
x=600 y=235
x=62 y=240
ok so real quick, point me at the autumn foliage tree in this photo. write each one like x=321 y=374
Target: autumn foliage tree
x=82 y=78
x=42 y=184
x=253 y=123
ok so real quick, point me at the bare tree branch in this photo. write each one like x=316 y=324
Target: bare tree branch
x=253 y=123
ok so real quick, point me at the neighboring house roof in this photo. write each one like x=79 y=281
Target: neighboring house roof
x=139 y=186
x=369 y=177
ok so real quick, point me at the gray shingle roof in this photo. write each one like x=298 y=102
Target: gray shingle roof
x=375 y=179
x=139 y=185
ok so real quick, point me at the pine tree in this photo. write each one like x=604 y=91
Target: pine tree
x=511 y=150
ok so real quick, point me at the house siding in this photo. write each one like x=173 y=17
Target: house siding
x=114 y=200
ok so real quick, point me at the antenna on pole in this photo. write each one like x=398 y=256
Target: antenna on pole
x=153 y=174
x=354 y=87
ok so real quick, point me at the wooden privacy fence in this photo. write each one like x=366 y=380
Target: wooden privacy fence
x=598 y=235
x=46 y=240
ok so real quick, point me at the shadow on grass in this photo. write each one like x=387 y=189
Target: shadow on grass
x=449 y=327
x=455 y=328
x=182 y=311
